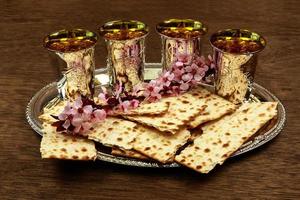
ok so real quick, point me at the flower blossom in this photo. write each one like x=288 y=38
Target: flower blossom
x=152 y=91
x=184 y=73
x=166 y=78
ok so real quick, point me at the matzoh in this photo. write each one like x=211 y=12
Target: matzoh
x=222 y=138
x=157 y=145
x=53 y=110
x=215 y=107
x=63 y=146
x=154 y=108
x=128 y=153
x=195 y=133
x=114 y=132
x=182 y=110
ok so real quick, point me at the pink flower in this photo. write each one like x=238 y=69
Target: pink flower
x=179 y=64
x=186 y=72
x=64 y=116
x=82 y=117
x=184 y=86
x=81 y=127
x=98 y=115
x=78 y=103
x=197 y=72
x=66 y=124
x=184 y=58
x=187 y=77
x=67 y=109
x=166 y=78
x=178 y=74
x=154 y=97
x=76 y=122
x=134 y=103
x=175 y=90
x=199 y=75
x=152 y=89
x=192 y=68
x=103 y=96
x=82 y=112
x=88 y=109
x=124 y=106
x=193 y=82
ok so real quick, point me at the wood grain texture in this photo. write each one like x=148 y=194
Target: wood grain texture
x=270 y=172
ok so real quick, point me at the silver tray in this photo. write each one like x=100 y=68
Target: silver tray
x=265 y=134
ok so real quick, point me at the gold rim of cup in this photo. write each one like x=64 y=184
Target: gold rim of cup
x=73 y=40
x=241 y=35
x=121 y=30
x=181 y=28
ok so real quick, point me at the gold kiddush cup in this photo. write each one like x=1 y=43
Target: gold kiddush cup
x=76 y=48
x=180 y=36
x=125 y=41
x=235 y=53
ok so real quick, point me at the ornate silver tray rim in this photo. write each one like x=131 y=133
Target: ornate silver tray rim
x=42 y=97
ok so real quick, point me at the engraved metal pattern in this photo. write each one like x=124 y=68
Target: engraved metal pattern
x=126 y=61
x=173 y=47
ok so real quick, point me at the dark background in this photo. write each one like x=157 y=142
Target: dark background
x=270 y=172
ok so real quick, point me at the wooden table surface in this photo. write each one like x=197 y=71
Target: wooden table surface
x=270 y=172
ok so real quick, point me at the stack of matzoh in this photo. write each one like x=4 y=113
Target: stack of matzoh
x=159 y=131
x=223 y=137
